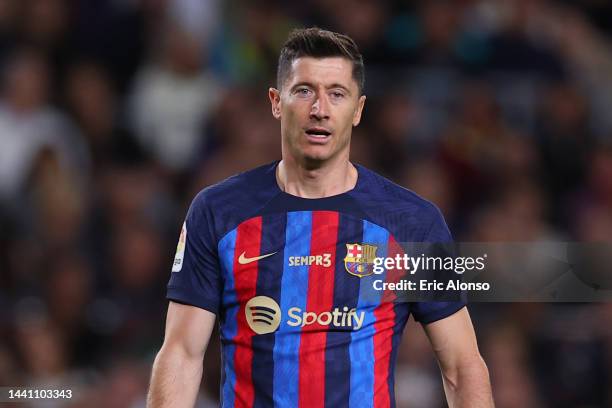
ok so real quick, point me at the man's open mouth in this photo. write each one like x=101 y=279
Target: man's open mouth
x=318 y=132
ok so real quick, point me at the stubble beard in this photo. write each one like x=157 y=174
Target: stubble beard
x=316 y=161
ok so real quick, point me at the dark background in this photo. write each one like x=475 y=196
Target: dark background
x=113 y=114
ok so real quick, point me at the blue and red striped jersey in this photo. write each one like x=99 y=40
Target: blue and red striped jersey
x=290 y=282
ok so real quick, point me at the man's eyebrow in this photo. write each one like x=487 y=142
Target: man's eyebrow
x=332 y=86
x=303 y=83
x=337 y=85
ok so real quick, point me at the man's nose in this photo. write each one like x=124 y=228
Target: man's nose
x=320 y=108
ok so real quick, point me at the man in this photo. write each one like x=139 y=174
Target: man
x=280 y=255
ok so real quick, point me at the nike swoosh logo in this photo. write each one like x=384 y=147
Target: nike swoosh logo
x=243 y=260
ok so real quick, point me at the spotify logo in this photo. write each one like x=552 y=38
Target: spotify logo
x=263 y=314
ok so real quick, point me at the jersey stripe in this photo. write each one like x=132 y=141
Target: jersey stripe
x=402 y=312
x=346 y=286
x=383 y=339
x=248 y=242
x=268 y=277
x=229 y=327
x=362 y=346
x=320 y=299
x=294 y=286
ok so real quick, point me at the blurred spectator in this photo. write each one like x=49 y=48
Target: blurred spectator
x=28 y=124
x=428 y=179
x=69 y=294
x=92 y=100
x=201 y=18
x=394 y=126
x=8 y=22
x=507 y=356
x=418 y=382
x=171 y=100
x=247 y=49
x=361 y=146
x=517 y=215
x=593 y=203
x=364 y=21
x=594 y=224
x=42 y=350
x=252 y=140
x=135 y=192
x=564 y=144
x=440 y=25
x=589 y=56
x=599 y=178
x=570 y=365
x=45 y=22
x=8 y=366
x=113 y=33
x=481 y=151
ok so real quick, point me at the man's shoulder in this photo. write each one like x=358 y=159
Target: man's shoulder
x=387 y=193
x=240 y=192
x=408 y=216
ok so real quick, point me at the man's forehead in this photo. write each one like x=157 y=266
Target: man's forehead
x=322 y=70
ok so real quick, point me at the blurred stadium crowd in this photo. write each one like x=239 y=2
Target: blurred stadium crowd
x=113 y=114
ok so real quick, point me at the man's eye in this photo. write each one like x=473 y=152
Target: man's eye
x=337 y=95
x=303 y=91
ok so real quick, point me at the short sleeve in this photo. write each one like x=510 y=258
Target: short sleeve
x=431 y=311
x=196 y=278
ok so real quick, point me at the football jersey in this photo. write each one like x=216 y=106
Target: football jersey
x=290 y=281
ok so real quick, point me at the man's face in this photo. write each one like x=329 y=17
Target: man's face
x=318 y=106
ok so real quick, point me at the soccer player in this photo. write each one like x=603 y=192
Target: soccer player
x=281 y=255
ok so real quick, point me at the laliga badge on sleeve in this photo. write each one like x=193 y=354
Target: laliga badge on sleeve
x=180 y=250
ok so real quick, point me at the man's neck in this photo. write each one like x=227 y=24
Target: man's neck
x=327 y=180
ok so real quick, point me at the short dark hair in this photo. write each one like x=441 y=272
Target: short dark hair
x=319 y=43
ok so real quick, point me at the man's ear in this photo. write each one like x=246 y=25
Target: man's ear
x=275 y=101
x=359 y=110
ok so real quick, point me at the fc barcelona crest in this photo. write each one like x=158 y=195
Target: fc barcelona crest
x=359 y=259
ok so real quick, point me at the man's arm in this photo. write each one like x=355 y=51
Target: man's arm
x=464 y=372
x=177 y=370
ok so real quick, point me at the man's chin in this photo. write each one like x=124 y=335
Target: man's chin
x=313 y=157
x=314 y=162
x=316 y=155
